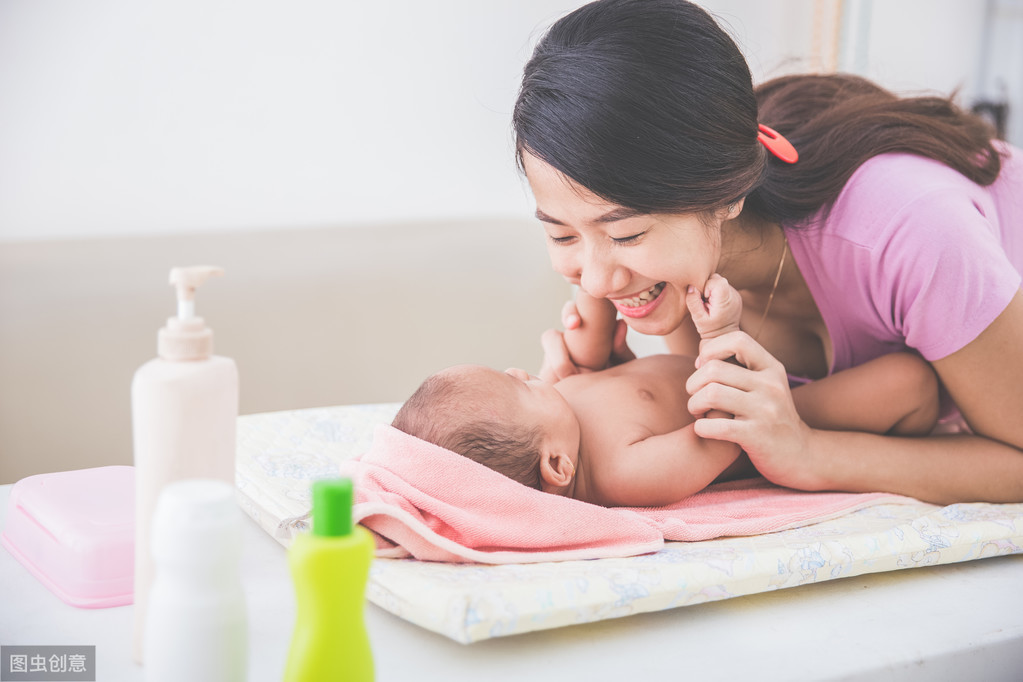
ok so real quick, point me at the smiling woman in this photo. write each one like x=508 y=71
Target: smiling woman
x=615 y=252
x=851 y=221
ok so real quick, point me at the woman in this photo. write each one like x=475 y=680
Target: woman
x=899 y=226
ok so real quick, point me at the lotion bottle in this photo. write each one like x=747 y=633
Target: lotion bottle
x=184 y=413
x=196 y=624
x=330 y=567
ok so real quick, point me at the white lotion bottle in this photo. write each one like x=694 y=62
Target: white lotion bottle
x=184 y=413
x=196 y=625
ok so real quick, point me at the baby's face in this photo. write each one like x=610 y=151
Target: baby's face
x=541 y=404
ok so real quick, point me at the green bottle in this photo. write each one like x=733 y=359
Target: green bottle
x=330 y=566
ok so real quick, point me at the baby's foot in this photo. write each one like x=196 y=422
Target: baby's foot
x=717 y=310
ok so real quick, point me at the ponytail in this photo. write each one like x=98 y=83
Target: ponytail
x=837 y=122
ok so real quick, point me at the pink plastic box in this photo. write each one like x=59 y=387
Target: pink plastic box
x=75 y=532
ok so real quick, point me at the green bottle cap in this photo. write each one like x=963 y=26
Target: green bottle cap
x=332 y=507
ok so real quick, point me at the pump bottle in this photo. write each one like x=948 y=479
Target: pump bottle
x=330 y=567
x=184 y=414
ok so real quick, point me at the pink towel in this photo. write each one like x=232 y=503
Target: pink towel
x=423 y=501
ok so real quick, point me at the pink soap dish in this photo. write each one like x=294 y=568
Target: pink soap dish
x=75 y=532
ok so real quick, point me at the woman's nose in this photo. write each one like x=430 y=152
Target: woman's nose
x=601 y=274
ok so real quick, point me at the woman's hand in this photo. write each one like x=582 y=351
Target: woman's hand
x=766 y=425
x=557 y=362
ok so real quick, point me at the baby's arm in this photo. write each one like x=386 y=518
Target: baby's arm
x=894 y=394
x=590 y=343
x=717 y=310
x=663 y=469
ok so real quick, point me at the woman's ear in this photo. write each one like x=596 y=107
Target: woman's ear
x=732 y=210
x=556 y=470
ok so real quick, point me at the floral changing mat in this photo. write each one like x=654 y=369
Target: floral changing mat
x=281 y=453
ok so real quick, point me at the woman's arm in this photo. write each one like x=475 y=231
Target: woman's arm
x=894 y=394
x=985 y=378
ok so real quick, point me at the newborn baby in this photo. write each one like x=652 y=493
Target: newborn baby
x=623 y=436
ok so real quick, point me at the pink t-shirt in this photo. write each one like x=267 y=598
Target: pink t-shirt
x=913 y=255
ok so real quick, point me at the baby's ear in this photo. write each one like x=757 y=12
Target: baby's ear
x=556 y=471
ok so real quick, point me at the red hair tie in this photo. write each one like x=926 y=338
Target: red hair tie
x=777 y=144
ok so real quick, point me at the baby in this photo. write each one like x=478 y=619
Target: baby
x=623 y=436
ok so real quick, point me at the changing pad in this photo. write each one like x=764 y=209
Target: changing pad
x=281 y=453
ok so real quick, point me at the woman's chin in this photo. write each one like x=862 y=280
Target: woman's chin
x=657 y=318
x=653 y=326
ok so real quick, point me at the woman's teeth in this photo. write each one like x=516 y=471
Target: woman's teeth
x=644 y=298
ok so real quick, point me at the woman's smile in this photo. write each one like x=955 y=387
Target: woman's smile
x=642 y=304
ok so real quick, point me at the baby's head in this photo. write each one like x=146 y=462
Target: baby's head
x=515 y=424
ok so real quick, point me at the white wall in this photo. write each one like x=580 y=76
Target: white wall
x=970 y=47
x=908 y=45
x=122 y=117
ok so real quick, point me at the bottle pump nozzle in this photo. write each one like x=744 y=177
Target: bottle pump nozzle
x=186 y=337
x=186 y=281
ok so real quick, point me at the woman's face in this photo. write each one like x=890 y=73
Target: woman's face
x=642 y=263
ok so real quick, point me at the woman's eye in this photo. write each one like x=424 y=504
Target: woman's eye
x=628 y=240
x=560 y=240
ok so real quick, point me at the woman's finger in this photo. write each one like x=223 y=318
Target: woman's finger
x=740 y=345
x=732 y=430
x=720 y=397
x=721 y=372
x=763 y=395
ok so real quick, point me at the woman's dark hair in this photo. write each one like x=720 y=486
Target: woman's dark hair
x=650 y=105
x=839 y=121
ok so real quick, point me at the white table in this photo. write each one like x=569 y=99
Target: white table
x=954 y=622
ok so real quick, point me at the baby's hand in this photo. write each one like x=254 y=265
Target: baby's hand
x=591 y=340
x=717 y=310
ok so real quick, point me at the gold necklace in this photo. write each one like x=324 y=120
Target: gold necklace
x=774 y=287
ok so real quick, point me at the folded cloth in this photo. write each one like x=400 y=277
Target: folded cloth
x=424 y=501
